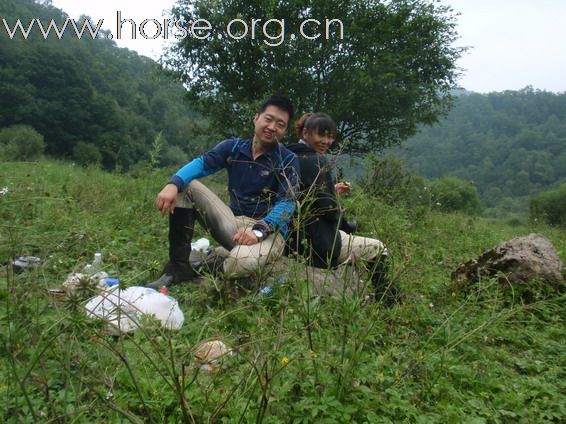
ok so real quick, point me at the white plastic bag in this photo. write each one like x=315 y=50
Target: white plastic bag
x=124 y=310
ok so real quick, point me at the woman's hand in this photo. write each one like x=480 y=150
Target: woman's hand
x=342 y=188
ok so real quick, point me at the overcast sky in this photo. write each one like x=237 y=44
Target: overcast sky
x=513 y=43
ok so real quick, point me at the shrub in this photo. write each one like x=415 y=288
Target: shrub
x=86 y=154
x=550 y=206
x=21 y=143
x=174 y=156
x=451 y=194
x=389 y=180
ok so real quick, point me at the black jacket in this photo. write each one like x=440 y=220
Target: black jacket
x=317 y=218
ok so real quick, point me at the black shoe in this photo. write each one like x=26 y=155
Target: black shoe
x=389 y=294
x=384 y=289
x=173 y=273
x=211 y=264
x=349 y=227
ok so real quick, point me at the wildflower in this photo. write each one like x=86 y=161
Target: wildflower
x=453 y=294
x=438 y=204
x=285 y=360
x=4 y=191
x=313 y=354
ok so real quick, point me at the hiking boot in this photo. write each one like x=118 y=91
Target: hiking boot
x=212 y=264
x=173 y=273
x=178 y=269
x=384 y=289
x=349 y=227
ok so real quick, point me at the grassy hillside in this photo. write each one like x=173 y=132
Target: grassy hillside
x=480 y=356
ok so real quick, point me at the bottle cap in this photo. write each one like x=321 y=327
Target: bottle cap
x=111 y=282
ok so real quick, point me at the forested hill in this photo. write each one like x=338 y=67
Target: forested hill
x=87 y=92
x=511 y=144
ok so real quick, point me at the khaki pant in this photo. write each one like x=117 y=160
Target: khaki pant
x=218 y=219
x=358 y=247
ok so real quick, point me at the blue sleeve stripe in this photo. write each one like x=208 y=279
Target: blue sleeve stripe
x=278 y=218
x=191 y=171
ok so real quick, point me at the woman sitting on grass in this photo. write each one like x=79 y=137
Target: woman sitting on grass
x=318 y=218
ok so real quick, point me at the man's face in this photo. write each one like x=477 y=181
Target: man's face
x=270 y=125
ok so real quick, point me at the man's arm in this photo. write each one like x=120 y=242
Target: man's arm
x=206 y=164
x=284 y=208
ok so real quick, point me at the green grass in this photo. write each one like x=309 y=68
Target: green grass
x=480 y=355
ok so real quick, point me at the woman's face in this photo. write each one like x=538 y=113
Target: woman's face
x=319 y=143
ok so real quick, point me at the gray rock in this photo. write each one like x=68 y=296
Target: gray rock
x=515 y=261
x=343 y=281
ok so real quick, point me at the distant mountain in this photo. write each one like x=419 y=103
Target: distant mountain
x=87 y=91
x=511 y=144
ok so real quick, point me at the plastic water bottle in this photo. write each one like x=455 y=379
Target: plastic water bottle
x=97 y=263
x=95 y=273
x=201 y=245
x=95 y=267
x=267 y=290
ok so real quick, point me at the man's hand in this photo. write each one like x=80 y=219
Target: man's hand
x=342 y=188
x=245 y=237
x=166 y=198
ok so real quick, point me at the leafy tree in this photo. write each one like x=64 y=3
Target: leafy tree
x=550 y=206
x=392 y=69
x=21 y=142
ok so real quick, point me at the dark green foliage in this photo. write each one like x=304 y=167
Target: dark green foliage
x=510 y=144
x=392 y=70
x=174 y=156
x=21 y=142
x=88 y=91
x=550 y=206
x=388 y=179
x=86 y=154
x=452 y=194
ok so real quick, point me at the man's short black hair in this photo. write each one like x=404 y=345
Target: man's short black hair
x=280 y=101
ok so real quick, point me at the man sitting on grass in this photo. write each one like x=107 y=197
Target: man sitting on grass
x=262 y=182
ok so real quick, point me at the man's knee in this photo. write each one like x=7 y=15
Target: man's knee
x=184 y=200
x=242 y=266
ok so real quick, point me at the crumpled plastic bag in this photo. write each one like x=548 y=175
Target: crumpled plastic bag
x=125 y=310
x=77 y=281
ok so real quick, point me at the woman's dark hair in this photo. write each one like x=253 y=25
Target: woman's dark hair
x=321 y=122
